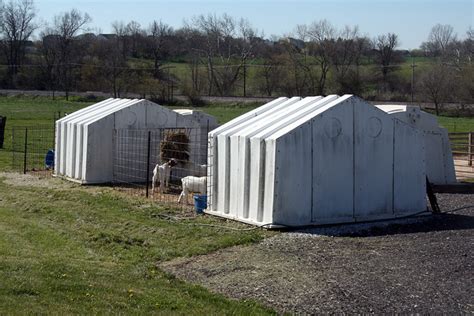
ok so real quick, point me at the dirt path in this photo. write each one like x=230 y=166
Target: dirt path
x=418 y=267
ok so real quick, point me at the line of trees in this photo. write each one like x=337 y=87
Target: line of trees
x=221 y=55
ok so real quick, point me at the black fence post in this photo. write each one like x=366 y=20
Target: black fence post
x=3 y=122
x=26 y=151
x=148 y=164
x=13 y=149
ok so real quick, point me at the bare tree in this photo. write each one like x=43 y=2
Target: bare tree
x=465 y=85
x=299 y=71
x=66 y=26
x=114 y=65
x=385 y=47
x=120 y=30
x=465 y=49
x=470 y=41
x=437 y=84
x=349 y=47
x=135 y=34
x=322 y=35
x=49 y=47
x=228 y=45
x=440 y=39
x=157 y=33
x=16 y=27
x=269 y=75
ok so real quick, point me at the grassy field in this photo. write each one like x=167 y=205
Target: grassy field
x=70 y=249
x=24 y=111
x=457 y=124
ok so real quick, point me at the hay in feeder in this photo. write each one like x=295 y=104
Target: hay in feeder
x=175 y=145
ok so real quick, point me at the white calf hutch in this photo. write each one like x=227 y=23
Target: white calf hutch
x=438 y=155
x=85 y=138
x=316 y=160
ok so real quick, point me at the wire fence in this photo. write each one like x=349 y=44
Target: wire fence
x=158 y=164
x=33 y=149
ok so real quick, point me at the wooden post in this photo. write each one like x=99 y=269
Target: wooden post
x=432 y=197
x=469 y=149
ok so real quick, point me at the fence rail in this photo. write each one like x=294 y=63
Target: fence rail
x=462 y=146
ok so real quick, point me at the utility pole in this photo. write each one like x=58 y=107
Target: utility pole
x=412 y=78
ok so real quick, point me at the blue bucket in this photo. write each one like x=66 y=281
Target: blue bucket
x=49 y=159
x=200 y=203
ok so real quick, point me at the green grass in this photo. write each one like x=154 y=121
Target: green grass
x=91 y=250
x=457 y=124
x=27 y=111
x=34 y=111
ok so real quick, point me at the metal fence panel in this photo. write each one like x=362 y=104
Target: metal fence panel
x=32 y=149
x=137 y=153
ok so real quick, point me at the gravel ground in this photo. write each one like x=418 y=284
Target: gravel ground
x=421 y=265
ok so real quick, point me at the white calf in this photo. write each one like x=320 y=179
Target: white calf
x=161 y=174
x=192 y=184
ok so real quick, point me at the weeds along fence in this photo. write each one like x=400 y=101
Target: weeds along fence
x=138 y=152
x=33 y=149
x=462 y=145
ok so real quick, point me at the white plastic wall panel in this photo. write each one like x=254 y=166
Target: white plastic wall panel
x=72 y=130
x=227 y=159
x=412 y=115
x=373 y=162
x=81 y=140
x=292 y=180
x=81 y=143
x=212 y=157
x=435 y=157
x=260 y=176
x=90 y=148
x=240 y=154
x=274 y=165
x=409 y=182
x=449 y=171
x=98 y=163
x=333 y=165
x=98 y=152
x=61 y=133
x=428 y=123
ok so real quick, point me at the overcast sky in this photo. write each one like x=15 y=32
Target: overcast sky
x=411 y=20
